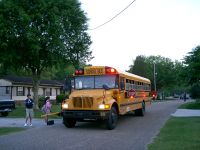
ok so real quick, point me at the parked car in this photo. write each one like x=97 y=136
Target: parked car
x=6 y=106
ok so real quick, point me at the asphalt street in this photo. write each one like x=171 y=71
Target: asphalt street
x=131 y=133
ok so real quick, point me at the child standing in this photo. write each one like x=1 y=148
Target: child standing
x=47 y=108
x=29 y=109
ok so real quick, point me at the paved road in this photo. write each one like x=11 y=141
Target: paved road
x=132 y=133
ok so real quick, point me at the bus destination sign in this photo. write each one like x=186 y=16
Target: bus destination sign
x=94 y=71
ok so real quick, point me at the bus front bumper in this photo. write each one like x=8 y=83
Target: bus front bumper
x=85 y=114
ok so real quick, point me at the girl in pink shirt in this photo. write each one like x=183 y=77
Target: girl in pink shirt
x=47 y=108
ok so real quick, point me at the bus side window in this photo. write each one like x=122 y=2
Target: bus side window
x=122 y=85
x=127 y=84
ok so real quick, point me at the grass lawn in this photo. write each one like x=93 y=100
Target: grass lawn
x=190 y=105
x=178 y=134
x=20 y=112
x=8 y=130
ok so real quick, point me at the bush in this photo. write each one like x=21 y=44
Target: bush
x=195 y=91
x=198 y=100
x=41 y=101
x=61 y=97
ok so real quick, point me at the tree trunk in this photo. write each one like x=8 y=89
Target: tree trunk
x=36 y=82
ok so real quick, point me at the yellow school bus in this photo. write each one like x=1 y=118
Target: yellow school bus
x=104 y=93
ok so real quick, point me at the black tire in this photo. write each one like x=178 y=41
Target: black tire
x=69 y=122
x=141 y=111
x=111 y=122
x=4 y=114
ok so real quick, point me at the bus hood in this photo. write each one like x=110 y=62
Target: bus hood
x=96 y=94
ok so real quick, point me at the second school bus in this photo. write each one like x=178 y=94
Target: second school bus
x=104 y=93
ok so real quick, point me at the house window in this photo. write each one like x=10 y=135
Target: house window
x=20 y=91
x=7 y=90
x=29 y=90
x=48 y=92
x=43 y=91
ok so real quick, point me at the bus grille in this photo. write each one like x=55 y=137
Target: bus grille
x=82 y=102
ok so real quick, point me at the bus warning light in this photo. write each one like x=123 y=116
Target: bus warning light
x=110 y=70
x=79 y=72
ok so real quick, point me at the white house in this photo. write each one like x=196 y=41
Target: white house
x=17 y=88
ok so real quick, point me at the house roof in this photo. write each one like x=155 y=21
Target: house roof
x=29 y=81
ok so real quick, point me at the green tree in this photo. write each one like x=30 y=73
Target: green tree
x=59 y=72
x=192 y=62
x=36 y=35
x=139 y=66
x=167 y=73
x=192 y=71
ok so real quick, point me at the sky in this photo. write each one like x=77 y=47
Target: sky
x=170 y=28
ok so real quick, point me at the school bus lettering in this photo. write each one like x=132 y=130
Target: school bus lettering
x=104 y=93
x=94 y=71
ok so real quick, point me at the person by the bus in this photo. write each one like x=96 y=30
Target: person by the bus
x=47 y=107
x=184 y=96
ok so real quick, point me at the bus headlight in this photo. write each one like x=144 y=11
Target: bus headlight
x=65 y=106
x=103 y=106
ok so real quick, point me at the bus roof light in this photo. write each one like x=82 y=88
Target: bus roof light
x=76 y=72
x=79 y=72
x=110 y=70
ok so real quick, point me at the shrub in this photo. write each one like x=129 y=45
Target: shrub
x=41 y=101
x=195 y=91
x=61 y=97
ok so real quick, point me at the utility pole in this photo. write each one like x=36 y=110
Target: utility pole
x=154 y=75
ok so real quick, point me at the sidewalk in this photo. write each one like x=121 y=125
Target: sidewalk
x=19 y=122
x=186 y=113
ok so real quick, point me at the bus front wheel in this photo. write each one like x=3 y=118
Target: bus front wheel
x=111 y=122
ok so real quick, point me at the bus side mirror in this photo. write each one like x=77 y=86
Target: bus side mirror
x=105 y=87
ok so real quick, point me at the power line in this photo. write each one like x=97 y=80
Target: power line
x=113 y=17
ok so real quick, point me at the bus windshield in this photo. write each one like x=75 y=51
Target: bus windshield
x=96 y=82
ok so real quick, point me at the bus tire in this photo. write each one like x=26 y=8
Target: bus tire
x=69 y=122
x=141 y=111
x=111 y=122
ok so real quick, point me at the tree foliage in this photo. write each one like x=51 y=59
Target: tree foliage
x=168 y=74
x=139 y=66
x=36 y=35
x=195 y=91
x=192 y=62
x=192 y=71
